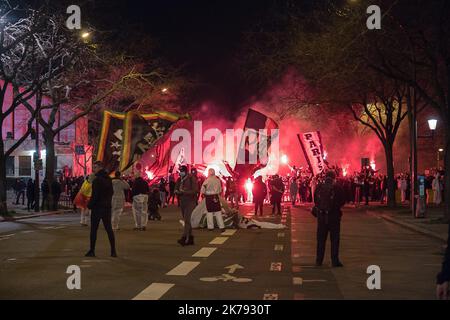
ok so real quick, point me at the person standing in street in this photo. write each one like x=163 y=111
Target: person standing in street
x=56 y=192
x=437 y=189
x=172 y=184
x=293 y=190
x=30 y=194
x=20 y=188
x=186 y=189
x=276 y=190
x=163 y=192
x=259 y=194
x=82 y=199
x=100 y=206
x=328 y=201
x=443 y=278
x=45 y=189
x=139 y=194
x=211 y=189
x=118 y=198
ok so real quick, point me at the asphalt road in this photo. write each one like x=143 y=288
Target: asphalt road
x=262 y=264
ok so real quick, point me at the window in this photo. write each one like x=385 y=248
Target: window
x=10 y=166
x=24 y=165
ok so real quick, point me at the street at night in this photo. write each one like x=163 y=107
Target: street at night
x=219 y=159
x=36 y=253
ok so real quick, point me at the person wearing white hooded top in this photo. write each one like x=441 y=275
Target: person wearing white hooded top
x=211 y=189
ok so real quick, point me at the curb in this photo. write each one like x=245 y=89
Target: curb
x=415 y=228
x=50 y=213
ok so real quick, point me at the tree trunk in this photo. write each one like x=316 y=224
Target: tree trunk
x=3 y=195
x=447 y=175
x=390 y=174
x=50 y=162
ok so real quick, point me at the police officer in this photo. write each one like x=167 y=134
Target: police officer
x=328 y=199
x=186 y=189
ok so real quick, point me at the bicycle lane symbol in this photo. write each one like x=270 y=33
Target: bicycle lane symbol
x=225 y=277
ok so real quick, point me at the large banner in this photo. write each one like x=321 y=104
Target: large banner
x=125 y=137
x=254 y=148
x=110 y=140
x=311 y=143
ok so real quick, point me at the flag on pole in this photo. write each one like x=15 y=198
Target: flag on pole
x=144 y=131
x=255 y=143
x=125 y=137
x=110 y=140
x=311 y=143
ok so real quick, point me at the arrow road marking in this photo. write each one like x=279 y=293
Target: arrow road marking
x=233 y=268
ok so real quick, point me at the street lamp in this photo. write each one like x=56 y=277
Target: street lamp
x=85 y=35
x=432 y=123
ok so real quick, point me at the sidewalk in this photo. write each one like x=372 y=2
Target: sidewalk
x=20 y=211
x=433 y=225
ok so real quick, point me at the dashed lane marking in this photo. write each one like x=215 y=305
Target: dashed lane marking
x=204 y=252
x=280 y=235
x=228 y=232
x=218 y=240
x=276 y=266
x=270 y=296
x=278 y=247
x=154 y=291
x=300 y=281
x=183 y=268
x=27 y=231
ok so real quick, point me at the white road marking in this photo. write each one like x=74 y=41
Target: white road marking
x=12 y=259
x=229 y=232
x=275 y=266
x=233 y=268
x=218 y=240
x=95 y=260
x=183 y=268
x=278 y=247
x=7 y=235
x=270 y=296
x=300 y=281
x=27 y=231
x=204 y=252
x=154 y=291
x=280 y=234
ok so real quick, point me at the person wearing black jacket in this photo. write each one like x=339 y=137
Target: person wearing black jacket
x=443 y=278
x=259 y=194
x=100 y=205
x=30 y=194
x=328 y=199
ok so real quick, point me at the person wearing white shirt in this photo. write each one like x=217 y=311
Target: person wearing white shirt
x=211 y=189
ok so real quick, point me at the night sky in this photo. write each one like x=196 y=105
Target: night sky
x=205 y=38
